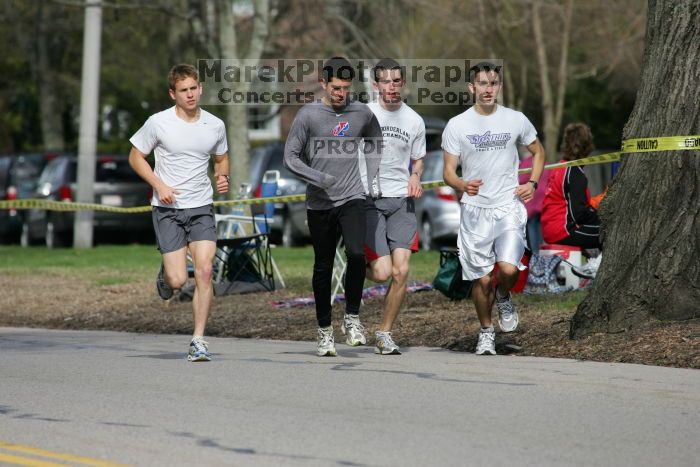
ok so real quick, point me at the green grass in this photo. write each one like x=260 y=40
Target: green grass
x=119 y=264
x=103 y=265
x=112 y=256
x=123 y=264
x=296 y=265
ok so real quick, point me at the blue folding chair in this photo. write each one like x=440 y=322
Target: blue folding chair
x=265 y=213
x=268 y=189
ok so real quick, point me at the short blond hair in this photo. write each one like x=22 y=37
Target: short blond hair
x=180 y=72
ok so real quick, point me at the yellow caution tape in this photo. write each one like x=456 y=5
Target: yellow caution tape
x=667 y=143
x=67 y=206
x=637 y=145
x=592 y=160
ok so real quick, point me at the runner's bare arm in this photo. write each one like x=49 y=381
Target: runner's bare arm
x=538 y=159
x=449 y=174
x=527 y=190
x=221 y=173
x=414 y=187
x=137 y=161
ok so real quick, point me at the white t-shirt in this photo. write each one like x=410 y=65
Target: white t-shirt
x=182 y=151
x=487 y=147
x=403 y=131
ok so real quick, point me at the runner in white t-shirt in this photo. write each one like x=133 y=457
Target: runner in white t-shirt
x=391 y=218
x=183 y=139
x=484 y=140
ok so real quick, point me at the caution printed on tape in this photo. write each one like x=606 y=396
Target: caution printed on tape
x=667 y=143
x=637 y=145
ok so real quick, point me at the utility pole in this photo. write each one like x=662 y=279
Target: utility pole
x=89 y=101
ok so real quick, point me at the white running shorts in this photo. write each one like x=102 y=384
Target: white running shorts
x=490 y=235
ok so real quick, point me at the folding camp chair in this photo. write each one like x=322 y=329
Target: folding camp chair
x=265 y=213
x=243 y=248
x=339 y=267
x=242 y=252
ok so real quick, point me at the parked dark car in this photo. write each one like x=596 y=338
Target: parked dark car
x=288 y=227
x=434 y=126
x=116 y=184
x=19 y=175
x=437 y=210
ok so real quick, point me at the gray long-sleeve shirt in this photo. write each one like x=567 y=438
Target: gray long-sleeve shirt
x=322 y=149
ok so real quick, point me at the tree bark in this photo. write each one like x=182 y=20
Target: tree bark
x=237 y=115
x=651 y=216
x=49 y=108
x=552 y=105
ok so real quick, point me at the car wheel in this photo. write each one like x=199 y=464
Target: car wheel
x=426 y=235
x=289 y=237
x=53 y=238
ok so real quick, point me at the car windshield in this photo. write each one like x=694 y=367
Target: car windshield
x=25 y=173
x=433 y=139
x=433 y=166
x=4 y=166
x=110 y=170
x=115 y=170
x=277 y=163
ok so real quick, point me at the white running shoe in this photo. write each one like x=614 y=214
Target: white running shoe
x=326 y=342
x=487 y=343
x=199 y=350
x=507 y=314
x=588 y=270
x=385 y=344
x=354 y=330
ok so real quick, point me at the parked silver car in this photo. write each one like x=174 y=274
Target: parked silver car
x=116 y=184
x=437 y=210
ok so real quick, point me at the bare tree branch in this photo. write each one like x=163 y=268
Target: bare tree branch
x=261 y=29
x=162 y=7
x=203 y=34
x=563 y=62
x=366 y=44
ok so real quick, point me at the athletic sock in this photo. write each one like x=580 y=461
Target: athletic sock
x=488 y=329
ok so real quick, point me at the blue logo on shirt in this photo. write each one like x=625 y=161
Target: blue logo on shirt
x=488 y=141
x=341 y=128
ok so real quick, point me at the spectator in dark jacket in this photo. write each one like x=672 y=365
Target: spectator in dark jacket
x=567 y=215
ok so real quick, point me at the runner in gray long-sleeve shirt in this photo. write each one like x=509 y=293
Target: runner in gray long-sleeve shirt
x=322 y=148
x=327 y=160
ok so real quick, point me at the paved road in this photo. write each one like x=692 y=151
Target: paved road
x=133 y=399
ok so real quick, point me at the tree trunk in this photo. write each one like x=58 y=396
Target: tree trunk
x=49 y=109
x=178 y=33
x=552 y=105
x=237 y=115
x=651 y=216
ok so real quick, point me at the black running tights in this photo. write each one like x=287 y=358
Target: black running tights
x=325 y=227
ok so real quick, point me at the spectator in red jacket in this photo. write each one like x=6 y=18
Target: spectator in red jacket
x=567 y=215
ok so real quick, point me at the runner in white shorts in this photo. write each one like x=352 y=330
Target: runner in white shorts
x=391 y=218
x=484 y=140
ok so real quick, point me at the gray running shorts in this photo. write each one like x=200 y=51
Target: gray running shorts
x=176 y=228
x=391 y=224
